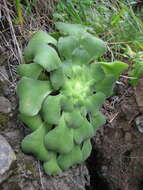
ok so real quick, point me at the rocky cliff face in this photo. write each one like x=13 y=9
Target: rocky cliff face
x=17 y=170
x=116 y=162
x=117 y=156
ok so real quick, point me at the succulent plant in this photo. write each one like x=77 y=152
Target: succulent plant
x=62 y=89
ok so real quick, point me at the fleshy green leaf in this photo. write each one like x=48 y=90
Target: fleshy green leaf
x=106 y=85
x=67 y=160
x=40 y=37
x=86 y=149
x=60 y=139
x=51 y=109
x=47 y=57
x=34 y=144
x=31 y=95
x=98 y=120
x=73 y=119
x=31 y=70
x=67 y=68
x=84 y=132
x=33 y=122
x=67 y=104
x=114 y=68
x=94 y=46
x=97 y=72
x=80 y=56
x=51 y=167
x=66 y=45
x=57 y=78
x=71 y=29
x=94 y=102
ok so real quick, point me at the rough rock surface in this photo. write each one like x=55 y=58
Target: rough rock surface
x=116 y=162
x=5 y=105
x=7 y=158
x=139 y=123
x=139 y=94
x=26 y=173
x=117 y=156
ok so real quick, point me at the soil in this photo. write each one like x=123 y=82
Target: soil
x=116 y=162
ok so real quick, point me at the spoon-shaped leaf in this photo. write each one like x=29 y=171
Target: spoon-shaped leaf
x=47 y=57
x=60 y=139
x=94 y=46
x=71 y=29
x=86 y=149
x=84 y=132
x=33 y=122
x=31 y=95
x=57 y=78
x=31 y=70
x=114 y=68
x=94 y=102
x=40 y=37
x=34 y=144
x=67 y=68
x=67 y=104
x=51 y=109
x=98 y=120
x=51 y=167
x=66 y=45
x=80 y=56
x=67 y=160
x=97 y=72
x=73 y=119
x=106 y=85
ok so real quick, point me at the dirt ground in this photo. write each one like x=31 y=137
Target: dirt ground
x=116 y=162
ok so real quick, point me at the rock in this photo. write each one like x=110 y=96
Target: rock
x=73 y=179
x=5 y=105
x=7 y=157
x=139 y=123
x=76 y=178
x=14 y=137
x=129 y=108
x=128 y=137
x=117 y=157
x=139 y=94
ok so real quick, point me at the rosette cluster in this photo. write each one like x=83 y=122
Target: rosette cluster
x=61 y=91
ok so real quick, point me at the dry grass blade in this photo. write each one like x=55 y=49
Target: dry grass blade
x=16 y=44
x=13 y=35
